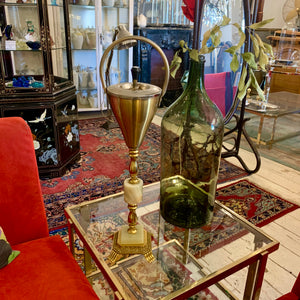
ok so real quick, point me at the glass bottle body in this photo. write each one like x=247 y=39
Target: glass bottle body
x=191 y=140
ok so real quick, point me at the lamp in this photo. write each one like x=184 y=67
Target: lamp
x=134 y=105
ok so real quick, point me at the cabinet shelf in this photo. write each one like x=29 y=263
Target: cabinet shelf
x=85 y=49
x=92 y=7
x=18 y=4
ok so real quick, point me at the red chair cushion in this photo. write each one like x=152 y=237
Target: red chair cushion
x=217 y=95
x=288 y=296
x=219 y=89
x=42 y=264
x=296 y=287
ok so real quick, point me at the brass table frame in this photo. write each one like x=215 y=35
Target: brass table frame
x=256 y=261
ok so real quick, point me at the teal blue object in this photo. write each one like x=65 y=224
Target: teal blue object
x=37 y=84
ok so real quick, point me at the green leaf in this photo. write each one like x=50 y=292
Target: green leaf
x=231 y=50
x=242 y=36
x=175 y=64
x=216 y=39
x=194 y=55
x=255 y=84
x=241 y=85
x=242 y=79
x=260 y=42
x=215 y=29
x=255 y=45
x=182 y=44
x=263 y=59
x=211 y=48
x=206 y=37
x=260 y=24
x=242 y=92
x=225 y=21
x=234 y=65
x=269 y=49
x=204 y=50
x=248 y=57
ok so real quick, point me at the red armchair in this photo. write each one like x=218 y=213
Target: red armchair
x=45 y=268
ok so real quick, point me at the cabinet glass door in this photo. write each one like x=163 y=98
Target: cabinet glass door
x=92 y=26
x=58 y=34
x=20 y=44
x=34 y=55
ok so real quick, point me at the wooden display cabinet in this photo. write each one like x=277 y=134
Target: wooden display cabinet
x=36 y=79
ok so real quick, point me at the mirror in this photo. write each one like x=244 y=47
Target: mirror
x=220 y=81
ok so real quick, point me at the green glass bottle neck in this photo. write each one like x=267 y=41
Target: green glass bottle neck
x=196 y=73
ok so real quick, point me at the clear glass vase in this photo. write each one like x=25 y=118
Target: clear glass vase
x=191 y=140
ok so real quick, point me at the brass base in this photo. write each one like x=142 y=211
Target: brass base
x=123 y=251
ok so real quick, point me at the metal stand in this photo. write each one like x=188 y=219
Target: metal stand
x=240 y=130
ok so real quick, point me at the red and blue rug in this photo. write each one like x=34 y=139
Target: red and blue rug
x=103 y=167
x=250 y=201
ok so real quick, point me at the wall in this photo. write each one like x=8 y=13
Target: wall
x=273 y=9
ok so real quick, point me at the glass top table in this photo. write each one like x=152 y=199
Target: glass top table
x=187 y=261
x=280 y=104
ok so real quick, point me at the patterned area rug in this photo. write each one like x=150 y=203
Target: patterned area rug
x=103 y=167
x=258 y=206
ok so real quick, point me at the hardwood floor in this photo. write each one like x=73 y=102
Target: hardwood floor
x=284 y=264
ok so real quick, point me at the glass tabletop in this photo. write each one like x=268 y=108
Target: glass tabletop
x=279 y=103
x=183 y=257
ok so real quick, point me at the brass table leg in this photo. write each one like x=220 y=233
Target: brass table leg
x=89 y=268
x=273 y=133
x=261 y=123
x=71 y=236
x=255 y=278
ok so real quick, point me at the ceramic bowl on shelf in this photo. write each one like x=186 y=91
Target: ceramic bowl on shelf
x=34 y=45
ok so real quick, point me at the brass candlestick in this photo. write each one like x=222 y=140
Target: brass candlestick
x=134 y=106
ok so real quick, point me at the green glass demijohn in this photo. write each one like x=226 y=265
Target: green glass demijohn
x=191 y=140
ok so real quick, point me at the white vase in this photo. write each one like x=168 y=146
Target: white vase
x=77 y=40
x=83 y=79
x=142 y=20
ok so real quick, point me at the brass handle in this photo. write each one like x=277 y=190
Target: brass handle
x=143 y=39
